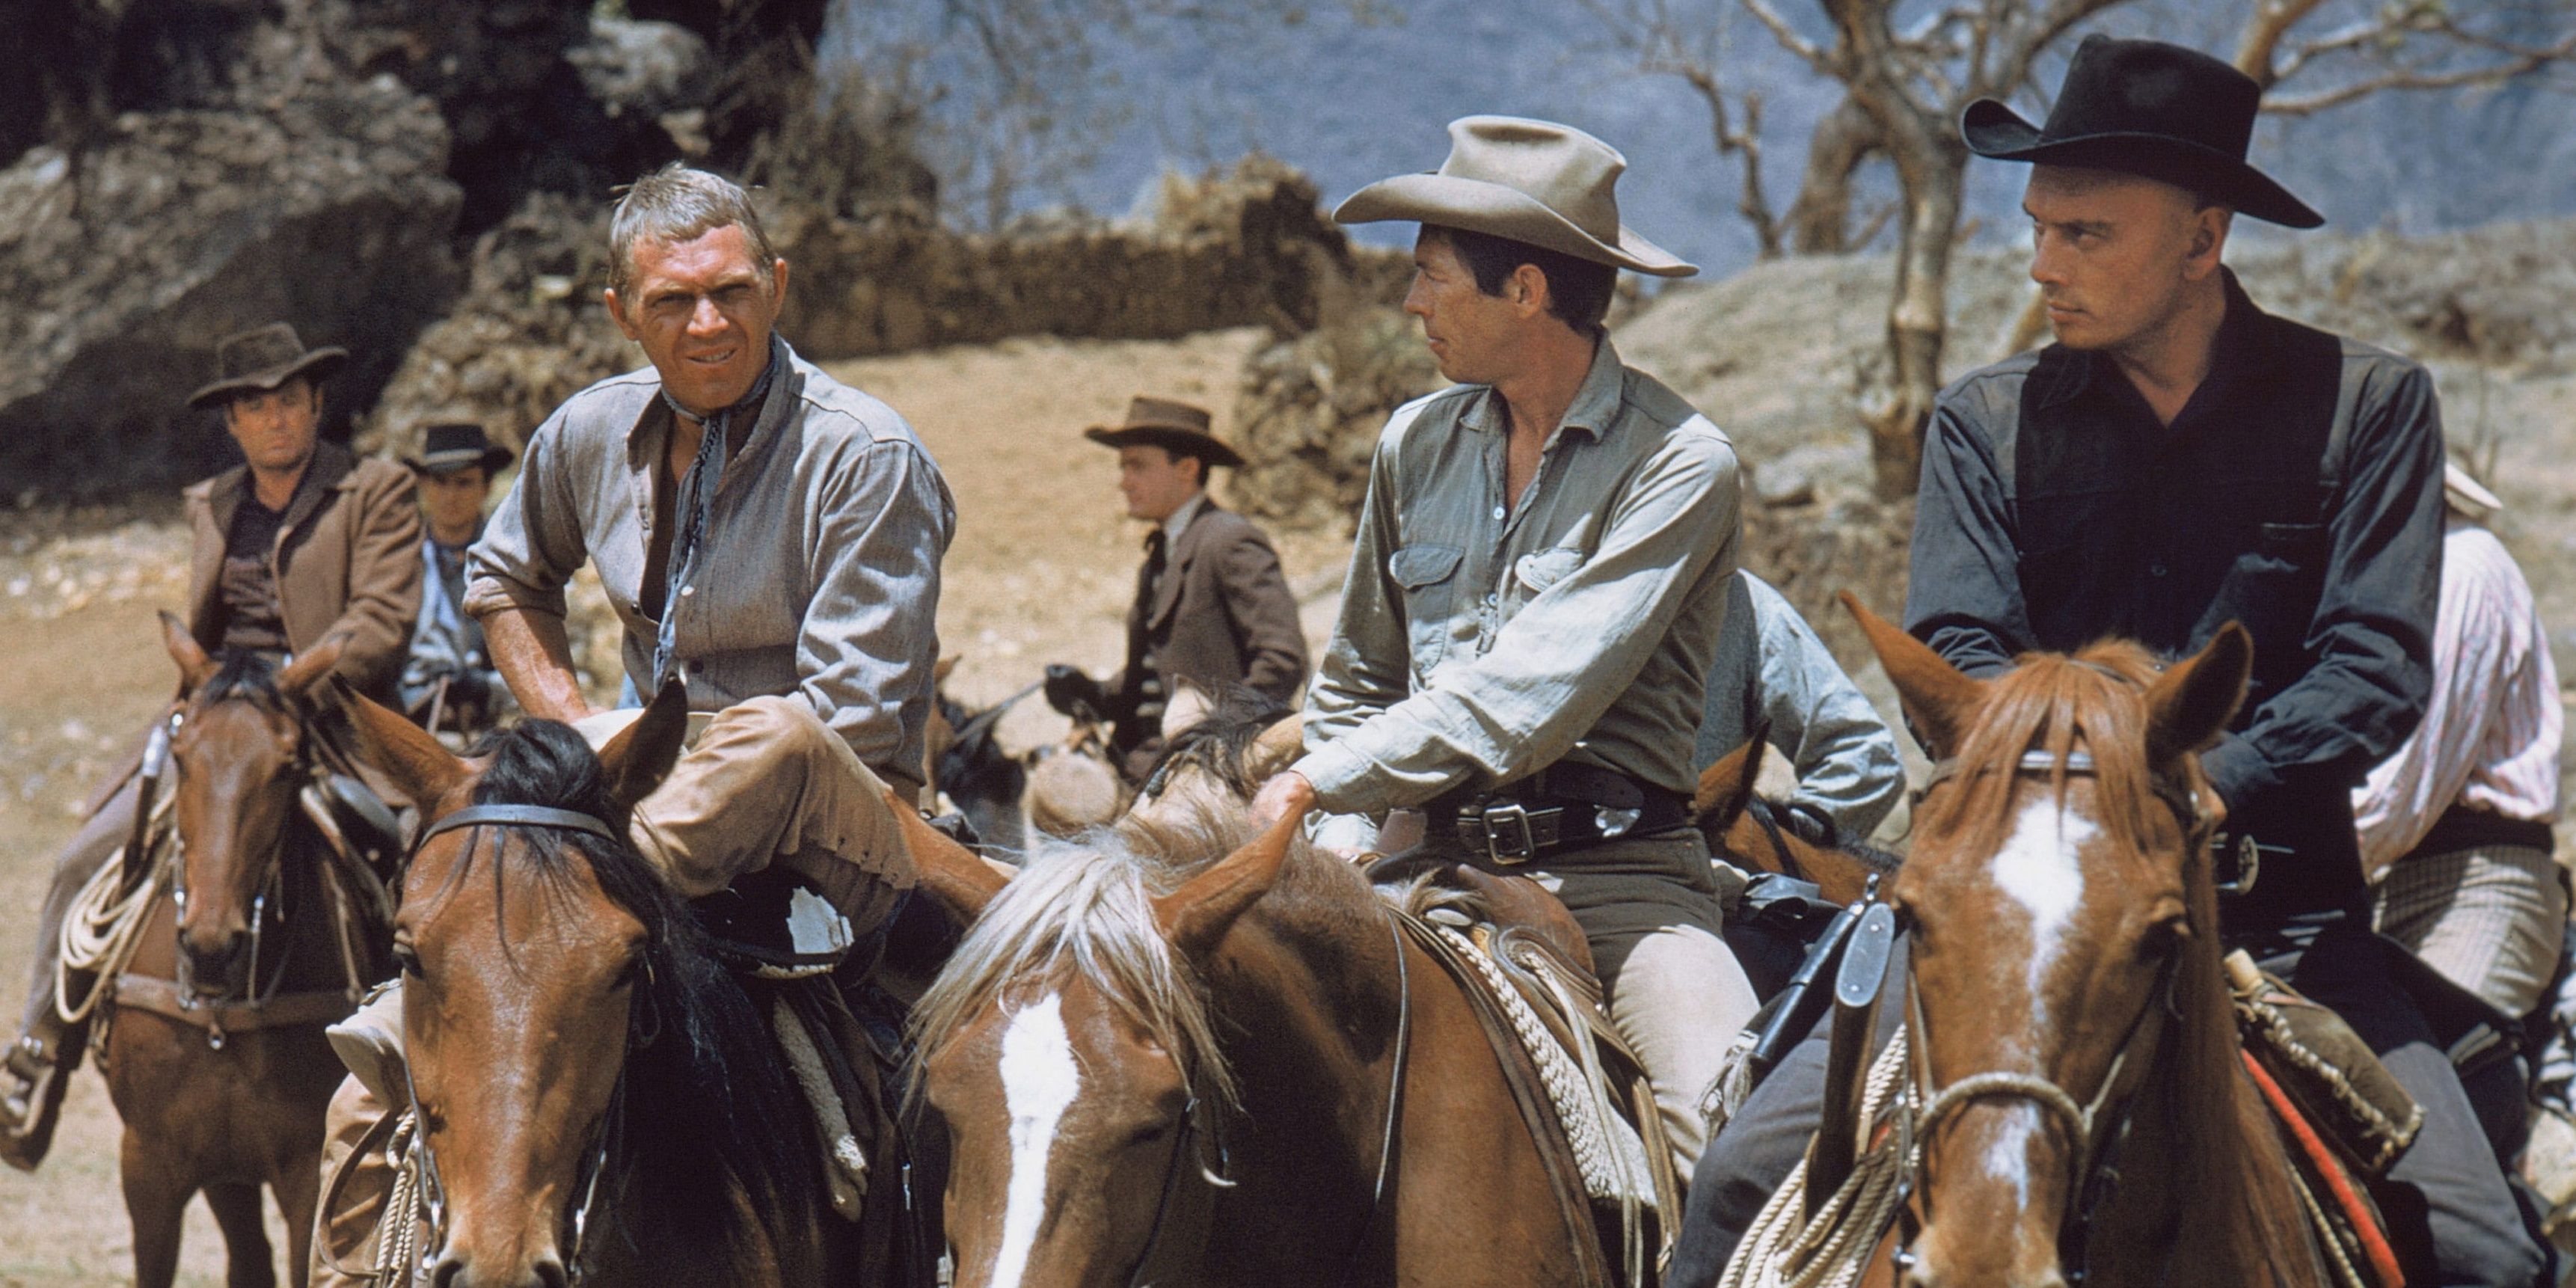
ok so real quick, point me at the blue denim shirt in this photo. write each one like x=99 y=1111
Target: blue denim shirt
x=1481 y=642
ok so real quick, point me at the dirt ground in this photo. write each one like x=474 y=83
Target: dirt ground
x=1041 y=570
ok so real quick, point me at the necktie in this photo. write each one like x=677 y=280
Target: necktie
x=696 y=508
x=1148 y=578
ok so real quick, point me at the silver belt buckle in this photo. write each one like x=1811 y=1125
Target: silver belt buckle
x=1509 y=820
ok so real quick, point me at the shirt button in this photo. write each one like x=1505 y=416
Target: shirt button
x=697 y=666
x=2155 y=570
x=1498 y=514
x=686 y=591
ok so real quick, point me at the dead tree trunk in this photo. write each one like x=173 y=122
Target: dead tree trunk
x=1819 y=222
x=1931 y=164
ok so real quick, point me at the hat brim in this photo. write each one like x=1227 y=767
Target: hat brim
x=1176 y=439
x=2462 y=491
x=493 y=460
x=317 y=365
x=1502 y=211
x=1996 y=132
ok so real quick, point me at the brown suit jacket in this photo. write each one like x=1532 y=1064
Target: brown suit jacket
x=1222 y=613
x=347 y=561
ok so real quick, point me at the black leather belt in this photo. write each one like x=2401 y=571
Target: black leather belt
x=1563 y=807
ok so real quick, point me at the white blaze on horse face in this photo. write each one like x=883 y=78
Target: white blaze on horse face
x=2040 y=868
x=1040 y=1079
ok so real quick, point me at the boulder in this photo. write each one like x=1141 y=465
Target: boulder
x=1310 y=412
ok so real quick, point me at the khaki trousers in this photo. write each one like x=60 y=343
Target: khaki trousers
x=765 y=782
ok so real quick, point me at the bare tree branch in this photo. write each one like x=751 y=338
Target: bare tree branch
x=2493 y=74
x=1789 y=38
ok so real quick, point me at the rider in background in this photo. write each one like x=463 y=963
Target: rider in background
x=767 y=536
x=1536 y=593
x=302 y=541
x=2177 y=460
x=1773 y=673
x=1211 y=606
x=448 y=681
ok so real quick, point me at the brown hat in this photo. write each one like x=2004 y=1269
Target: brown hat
x=263 y=358
x=1176 y=427
x=454 y=445
x=1552 y=186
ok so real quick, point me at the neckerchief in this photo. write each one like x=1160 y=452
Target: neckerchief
x=696 y=509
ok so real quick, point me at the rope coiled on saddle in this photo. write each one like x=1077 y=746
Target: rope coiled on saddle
x=105 y=926
x=1782 y=1249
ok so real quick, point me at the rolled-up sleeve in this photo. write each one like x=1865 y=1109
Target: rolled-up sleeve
x=1553 y=669
x=870 y=642
x=2372 y=634
x=533 y=543
x=1963 y=588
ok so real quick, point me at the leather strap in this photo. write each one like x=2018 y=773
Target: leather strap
x=285 y=1010
x=520 y=816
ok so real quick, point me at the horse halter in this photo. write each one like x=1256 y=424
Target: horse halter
x=1923 y=1105
x=433 y=1192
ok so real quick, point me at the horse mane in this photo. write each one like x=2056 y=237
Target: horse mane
x=2053 y=702
x=1084 y=909
x=1220 y=745
x=704 y=1081
x=1819 y=831
x=244 y=675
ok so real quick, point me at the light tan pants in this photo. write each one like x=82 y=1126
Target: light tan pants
x=766 y=781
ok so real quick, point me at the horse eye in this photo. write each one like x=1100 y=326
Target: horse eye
x=408 y=959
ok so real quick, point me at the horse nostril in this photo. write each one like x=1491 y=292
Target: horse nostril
x=551 y=1274
x=445 y=1274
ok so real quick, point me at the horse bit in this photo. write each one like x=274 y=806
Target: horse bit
x=433 y=1194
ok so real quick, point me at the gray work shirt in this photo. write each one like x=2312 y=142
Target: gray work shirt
x=1481 y=642
x=1773 y=672
x=823 y=552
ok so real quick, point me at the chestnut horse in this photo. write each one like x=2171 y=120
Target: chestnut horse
x=213 y=1048
x=2075 y=1079
x=1177 y=1053
x=1759 y=836
x=600 y=1100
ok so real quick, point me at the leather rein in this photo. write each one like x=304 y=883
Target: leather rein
x=605 y=1134
x=1924 y=1104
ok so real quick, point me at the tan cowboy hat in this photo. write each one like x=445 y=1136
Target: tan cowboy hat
x=263 y=358
x=1531 y=181
x=2463 y=493
x=1176 y=427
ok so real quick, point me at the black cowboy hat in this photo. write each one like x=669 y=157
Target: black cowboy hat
x=454 y=445
x=263 y=358
x=1176 y=427
x=2147 y=108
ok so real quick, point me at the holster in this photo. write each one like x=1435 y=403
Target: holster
x=2324 y=1067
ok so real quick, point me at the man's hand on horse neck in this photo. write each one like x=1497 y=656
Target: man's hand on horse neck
x=533 y=654
x=1285 y=794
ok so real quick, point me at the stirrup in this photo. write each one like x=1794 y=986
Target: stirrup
x=30 y=1096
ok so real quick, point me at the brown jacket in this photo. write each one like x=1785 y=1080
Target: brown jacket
x=1222 y=613
x=347 y=561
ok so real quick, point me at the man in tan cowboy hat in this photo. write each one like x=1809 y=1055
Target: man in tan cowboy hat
x=1536 y=591
x=2177 y=460
x=770 y=540
x=448 y=682
x=302 y=541
x=1211 y=604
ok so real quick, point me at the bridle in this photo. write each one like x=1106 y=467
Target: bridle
x=301 y=768
x=1923 y=1104
x=610 y=1127
x=1144 y=1274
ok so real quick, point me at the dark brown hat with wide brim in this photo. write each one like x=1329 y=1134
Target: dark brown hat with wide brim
x=454 y=445
x=2147 y=108
x=261 y=359
x=1176 y=427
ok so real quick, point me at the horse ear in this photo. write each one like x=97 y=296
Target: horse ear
x=195 y=668
x=641 y=754
x=940 y=669
x=411 y=762
x=955 y=876
x=1186 y=707
x=1196 y=916
x=311 y=665
x=1726 y=787
x=1276 y=749
x=1938 y=697
x=2191 y=703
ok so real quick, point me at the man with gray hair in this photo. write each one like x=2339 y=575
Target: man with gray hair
x=770 y=538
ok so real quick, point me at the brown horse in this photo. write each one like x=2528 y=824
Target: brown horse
x=1757 y=835
x=599 y=1098
x=1161 y=1068
x=213 y=1048
x=2076 y=1087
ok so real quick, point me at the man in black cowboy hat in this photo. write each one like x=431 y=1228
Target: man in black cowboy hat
x=300 y=542
x=1211 y=604
x=2177 y=460
x=448 y=681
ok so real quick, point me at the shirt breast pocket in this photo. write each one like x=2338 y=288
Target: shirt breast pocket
x=1427 y=578
x=1534 y=573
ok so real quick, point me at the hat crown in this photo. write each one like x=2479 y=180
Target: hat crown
x=2150 y=87
x=439 y=440
x=1560 y=167
x=1163 y=412
x=257 y=350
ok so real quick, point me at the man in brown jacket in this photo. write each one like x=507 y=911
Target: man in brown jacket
x=300 y=542
x=1211 y=604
